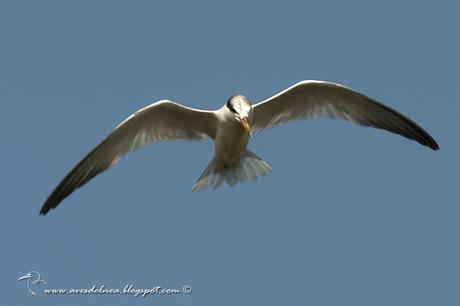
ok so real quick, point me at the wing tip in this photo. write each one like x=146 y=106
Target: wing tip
x=45 y=209
x=51 y=203
x=427 y=140
x=43 y=212
x=434 y=145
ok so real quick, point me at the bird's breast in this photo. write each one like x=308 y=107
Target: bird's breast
x=230 y=143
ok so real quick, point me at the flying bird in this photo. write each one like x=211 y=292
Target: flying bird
x=231 y=127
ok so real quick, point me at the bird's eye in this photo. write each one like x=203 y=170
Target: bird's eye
x=230 y=107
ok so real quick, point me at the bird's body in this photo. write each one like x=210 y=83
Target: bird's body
x=230 y=143
x=231 y=140
x=231 y=128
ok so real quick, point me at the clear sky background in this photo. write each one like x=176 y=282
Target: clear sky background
x=351 y=215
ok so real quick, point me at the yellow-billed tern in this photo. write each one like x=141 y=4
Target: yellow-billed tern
x=231 y=127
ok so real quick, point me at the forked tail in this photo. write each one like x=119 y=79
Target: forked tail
x=250 y=167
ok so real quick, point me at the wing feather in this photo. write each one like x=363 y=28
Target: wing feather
x=160 y=121
x=312 y=99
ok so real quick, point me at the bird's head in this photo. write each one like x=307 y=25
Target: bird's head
x=241 y=108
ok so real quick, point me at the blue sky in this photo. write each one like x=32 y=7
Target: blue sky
x=351 y=216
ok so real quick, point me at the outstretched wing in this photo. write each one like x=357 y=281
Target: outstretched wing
x=312 y=99
x=162 y=120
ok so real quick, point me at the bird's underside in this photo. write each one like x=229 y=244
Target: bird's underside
x=231 y=127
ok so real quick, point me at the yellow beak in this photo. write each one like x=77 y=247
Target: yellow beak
x=245 y=124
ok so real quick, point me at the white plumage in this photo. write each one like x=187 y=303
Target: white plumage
x=231 y=127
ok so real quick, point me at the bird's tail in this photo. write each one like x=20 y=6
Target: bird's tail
x=250 y=167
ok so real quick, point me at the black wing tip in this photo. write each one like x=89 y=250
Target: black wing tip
x=49 y=205
x=428 y=141
x=434 y=146
x=45 y=209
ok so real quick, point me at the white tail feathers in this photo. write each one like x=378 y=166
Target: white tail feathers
x=250 y=167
